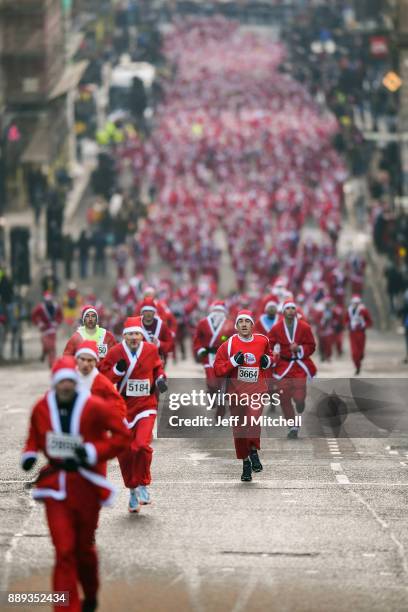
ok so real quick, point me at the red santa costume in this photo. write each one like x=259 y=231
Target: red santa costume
x=136 y=375
x=325 y=329
x=98 y=384
x=265 y=323
x=210 y=333
x=156 y=331
x=294 y=368
x=73 y=489
x=358 y=319
x=103 y=338
x=244 y=380
x=47 y=316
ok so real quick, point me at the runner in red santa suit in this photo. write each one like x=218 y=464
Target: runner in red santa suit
x=77 y=433
x=268 y=319
x=134 y=365
x=243 y=361
x=47 y=316
x=358 y=319
x=325 y=329
x=263 y=325
x=90 y=330
x=293 y=340
x=155 y=329
x=210 y=333
x=89 y=379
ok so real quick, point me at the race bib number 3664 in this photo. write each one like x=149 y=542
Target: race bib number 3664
x=249 y=375
x=138 y=388
x=61 y=445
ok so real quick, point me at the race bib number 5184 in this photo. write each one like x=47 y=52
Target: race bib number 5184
x=138 y=388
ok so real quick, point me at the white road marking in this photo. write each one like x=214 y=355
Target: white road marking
x=342 y=479
x=8 y=557
x=336 y=467
x=278 y=484
x=245 y=594
x=385 y=526
x=393 y=452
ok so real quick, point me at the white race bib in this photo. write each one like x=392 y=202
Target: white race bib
x=102 y=350
x=62 y=445
x=249 y=375
x=138 y=388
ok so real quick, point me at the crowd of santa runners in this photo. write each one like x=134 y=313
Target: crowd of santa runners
x=240 y=151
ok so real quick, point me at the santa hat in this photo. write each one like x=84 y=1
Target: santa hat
x=47 y=295
x=149 y=290
x=134 y=324
x=148 y=304
x=270 y=303
x=64 y=369
x=218 y=306
x=355 y=299
x=244 y=314
x=88 y=347
x=288 y=304
x=86 y=310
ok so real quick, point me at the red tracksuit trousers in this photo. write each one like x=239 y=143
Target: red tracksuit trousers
x=246 y=436
x=357 y=345
x=291 y=389
x=136 y=460
x=72 y=523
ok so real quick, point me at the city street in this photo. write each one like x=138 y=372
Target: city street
x=324 y=527
x=225 y=181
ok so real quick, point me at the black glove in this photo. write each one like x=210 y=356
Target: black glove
x=239 y=358
x=264 y=362
x=69 y=465
x=28 y=463
x=162 y=385
x=121 y=366
x=81 y=454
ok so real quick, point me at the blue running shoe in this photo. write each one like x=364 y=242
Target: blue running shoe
x=143 y=495
x=134 y=505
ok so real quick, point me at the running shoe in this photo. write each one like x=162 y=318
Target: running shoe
x=134 y=505
x=143 y=495
x=246 y=475
x=255 y=461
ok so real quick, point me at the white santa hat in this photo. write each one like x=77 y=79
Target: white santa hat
x=356 y=299
x=86 y=310
x=288 y=304
x=64 y=369
x=218 y=306
x=134 y=324
x=88 y=347
x=148 y=304
x=270 y=303
x=244 y=314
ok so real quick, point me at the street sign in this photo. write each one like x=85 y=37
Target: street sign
x=392 y=81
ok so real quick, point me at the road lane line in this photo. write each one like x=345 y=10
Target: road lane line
x=244 y=596
x=385 y=526
x=279 y=484
x=342 y=479
x=8 y=557
x=336 y=467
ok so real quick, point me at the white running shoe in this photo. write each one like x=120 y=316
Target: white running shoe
x=134 y=505
x=143 y=495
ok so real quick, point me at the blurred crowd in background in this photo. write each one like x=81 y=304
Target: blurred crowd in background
x=172 y=134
